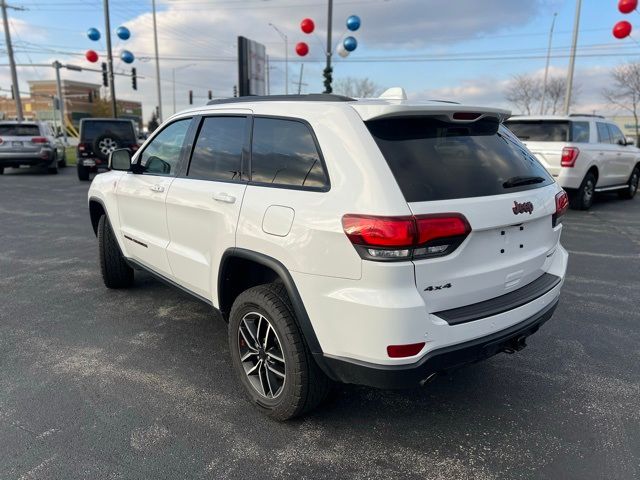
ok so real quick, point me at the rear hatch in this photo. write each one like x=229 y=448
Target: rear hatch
x=479 y=170
x=546 y=138
x=23 y=138
x=98 y=138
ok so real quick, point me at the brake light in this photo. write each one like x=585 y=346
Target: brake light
x=466 y=115
x=39 y=140
x=400 y=351
x=82 y=147
x=562 y=205
x=569 y=156
x=408 y=237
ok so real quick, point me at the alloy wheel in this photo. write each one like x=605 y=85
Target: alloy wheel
x=588 y=192
x=107 y=145
x=261 y=355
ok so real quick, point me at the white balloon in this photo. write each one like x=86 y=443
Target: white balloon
x=343 y=52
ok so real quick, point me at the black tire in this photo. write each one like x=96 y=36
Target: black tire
x=105 y=144
x=632 y=185
x=116 y=272
x=83 y=173
x=1 y=170
x=62 y=163
x=304 y=386
x=582 y=199
x=53 y=166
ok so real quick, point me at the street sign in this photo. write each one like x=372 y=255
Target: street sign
x=251 y=67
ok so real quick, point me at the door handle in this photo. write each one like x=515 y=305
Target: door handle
x=224 y=197
x=156 y=188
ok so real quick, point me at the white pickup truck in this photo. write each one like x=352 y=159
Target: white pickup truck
x=585 y=153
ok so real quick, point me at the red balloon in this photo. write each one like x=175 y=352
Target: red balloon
x=627 y=6
x=307 y=25
x=302 y=49
x=622 y=29
x=91 y=55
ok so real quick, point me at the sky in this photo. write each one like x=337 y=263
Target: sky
x=462 y=50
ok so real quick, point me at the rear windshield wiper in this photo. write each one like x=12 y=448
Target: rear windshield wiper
x=519 y=181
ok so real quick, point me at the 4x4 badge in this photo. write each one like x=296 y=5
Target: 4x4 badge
x=431 y=288
x=522 y=208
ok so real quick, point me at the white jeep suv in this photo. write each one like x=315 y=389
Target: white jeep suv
x=586 y=154
x=376 y=242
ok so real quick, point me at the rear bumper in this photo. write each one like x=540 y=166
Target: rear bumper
x=11 y=159
x=436 y=361
x=92 y=163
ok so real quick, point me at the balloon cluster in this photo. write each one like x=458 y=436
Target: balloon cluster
x=122 y=32
x=622 y=29
x=348 y=44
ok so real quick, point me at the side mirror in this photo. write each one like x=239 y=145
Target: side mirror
x=120 y=159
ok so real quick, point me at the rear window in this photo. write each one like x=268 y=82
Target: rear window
x=433 y=159
x=121 y=130
x=19 y=130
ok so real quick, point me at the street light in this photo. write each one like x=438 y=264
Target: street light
x=286 y=57
x=173 y=77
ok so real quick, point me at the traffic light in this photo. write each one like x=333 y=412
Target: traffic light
x=134 y=79
x=328 y=78
x=90 y=96
x=190 y=97
x=13 y=95
x=105 y=77
x=235 y=91
x=210 y=96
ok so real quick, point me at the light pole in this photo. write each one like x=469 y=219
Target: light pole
x=12 y=63
x=112 y=87
x=546 y=68
x=155 y=43
x=173 y=78
x=286 y=57
x=572 y=59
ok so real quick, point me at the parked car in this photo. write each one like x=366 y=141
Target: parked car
x=585 y=153
x=30 y=144
x=98 y=138
x=376 y=242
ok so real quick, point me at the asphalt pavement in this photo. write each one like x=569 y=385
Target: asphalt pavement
x=103 y=384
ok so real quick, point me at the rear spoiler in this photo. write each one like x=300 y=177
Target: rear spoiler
x=450 y=112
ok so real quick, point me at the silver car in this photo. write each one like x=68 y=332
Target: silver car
x=30 y=143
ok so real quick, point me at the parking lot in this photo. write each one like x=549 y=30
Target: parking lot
x=97 y=383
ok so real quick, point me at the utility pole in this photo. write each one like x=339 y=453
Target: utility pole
x=299 y=82
x=268 y=76
x=57 y=65
x=112 y=87
x=328 y=70
x=546 y=68
x=155 y=42
x=12 y=62
x=572 y=59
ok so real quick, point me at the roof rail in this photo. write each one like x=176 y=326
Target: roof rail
x=310 y=97
x=446 y=101
x=585 y=115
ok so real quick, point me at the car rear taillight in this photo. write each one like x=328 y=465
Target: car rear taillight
x=562 y=205
x=1 y=141
x=467 y=116
x=408 y=237
x=39 y=140
x=400 y=351
x=569 y=156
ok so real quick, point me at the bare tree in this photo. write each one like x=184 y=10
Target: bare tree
x=524 y=92
x=356 y=87
x=625 y=93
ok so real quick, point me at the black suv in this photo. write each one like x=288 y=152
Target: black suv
x=98 y=138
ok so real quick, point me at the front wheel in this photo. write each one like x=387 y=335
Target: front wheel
x=270 y=355
x=53 y=168
x=62 y=163
x=582 y=199
x=116 y=272
x=632 y=185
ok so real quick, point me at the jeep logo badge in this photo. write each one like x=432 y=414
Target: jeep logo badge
x=522 y=208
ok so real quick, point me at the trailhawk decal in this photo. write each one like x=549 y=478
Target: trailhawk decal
x=522 y=208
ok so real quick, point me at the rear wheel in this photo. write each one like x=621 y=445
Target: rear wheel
x=582 y=199
x=270 y=355
x=63 y=161
x=632 y=186
x=116 y=272
x=1 y=170
x=53 y=166
x=83 y=173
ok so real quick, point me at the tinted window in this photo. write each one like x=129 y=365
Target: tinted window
x=616 y=135
x=437 y=160
x=122 y=130
x=19 y=130
x=284 y=153
x=539 y=131
x=580 y=132
x=162 y=155
x=218 y=151
x=603 y=133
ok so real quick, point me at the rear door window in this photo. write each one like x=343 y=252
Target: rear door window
x=19 y=130
x=432 y=159
x=217 y=154
x=284 y=153
x=603 y=133
x=123 y=131
x=580 y=132
x=540 y=131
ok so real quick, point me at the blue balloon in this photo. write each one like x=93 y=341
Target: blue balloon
x=350 y=44
x=127 y=57
x=123 y=33
x=353 y=23
x=93 y=34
